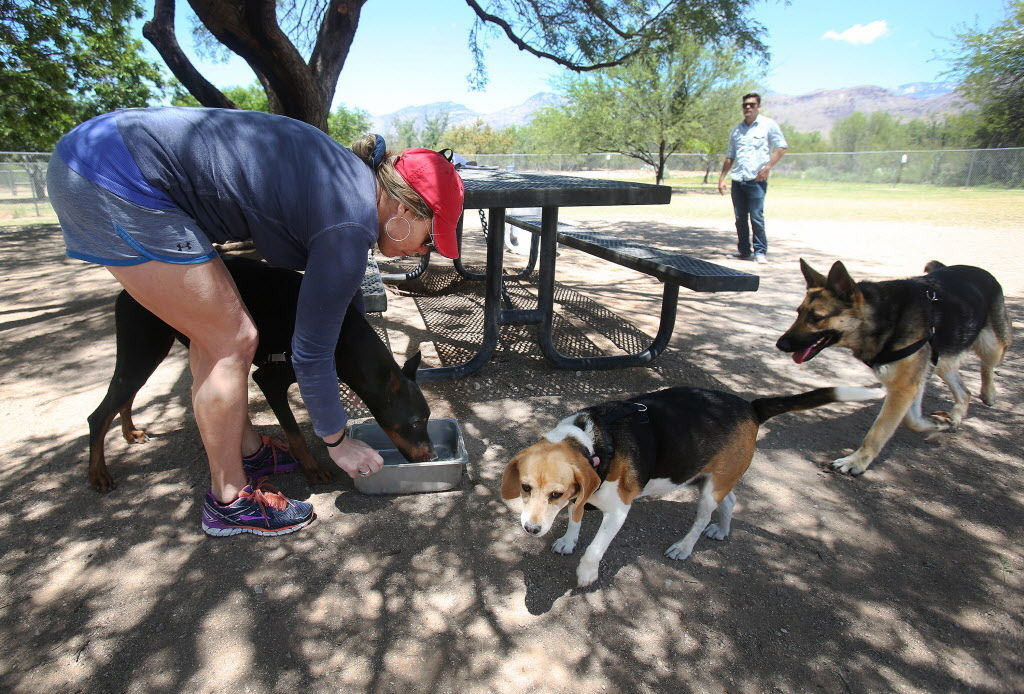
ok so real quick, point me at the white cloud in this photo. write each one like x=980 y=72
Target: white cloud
x=860 y=33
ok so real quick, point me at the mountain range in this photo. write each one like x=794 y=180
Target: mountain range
x=816 y=110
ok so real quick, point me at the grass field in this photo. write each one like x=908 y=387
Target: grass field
x=788 y=199
x=795 y=200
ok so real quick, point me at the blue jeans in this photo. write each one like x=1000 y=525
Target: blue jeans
x=748 y=200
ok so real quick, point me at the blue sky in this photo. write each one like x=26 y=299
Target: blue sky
x=413 y=52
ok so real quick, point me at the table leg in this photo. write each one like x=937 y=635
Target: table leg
x=492 y=308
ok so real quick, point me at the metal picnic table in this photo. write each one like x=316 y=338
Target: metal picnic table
x=497 y=191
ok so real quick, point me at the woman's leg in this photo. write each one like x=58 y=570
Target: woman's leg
x=202 y=302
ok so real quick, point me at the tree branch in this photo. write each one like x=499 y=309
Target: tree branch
x=159 y=31
x=524 y=46
x=333 y=42
x=250 y=29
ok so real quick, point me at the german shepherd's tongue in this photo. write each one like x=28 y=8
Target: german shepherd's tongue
x=805 y=354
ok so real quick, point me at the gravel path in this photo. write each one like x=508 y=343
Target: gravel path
x=908 y=579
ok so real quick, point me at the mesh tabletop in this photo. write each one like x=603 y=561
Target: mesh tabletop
x=486 y=189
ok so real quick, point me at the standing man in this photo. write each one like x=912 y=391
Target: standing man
x=755 y=146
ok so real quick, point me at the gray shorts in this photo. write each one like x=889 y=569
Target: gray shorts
x=101 y=228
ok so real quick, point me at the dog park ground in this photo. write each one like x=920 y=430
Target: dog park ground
x=908 y=579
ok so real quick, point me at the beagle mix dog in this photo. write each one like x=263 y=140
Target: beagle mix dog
x=612 y=453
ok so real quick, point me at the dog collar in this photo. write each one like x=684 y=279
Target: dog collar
x=604 y=449
x=890 y=355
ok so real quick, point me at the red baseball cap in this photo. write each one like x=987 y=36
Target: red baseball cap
x=435 y=180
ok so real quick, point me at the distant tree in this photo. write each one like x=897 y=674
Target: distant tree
x=861 y=132
x=990 y=65
x=251 y=98
x=480 y=138
x=405 y=132
x=655 y=104
x=402 y=134
x=297 y=49
x=348 y=125
x=434 y=127
x=552 y=131
x=800 y=141
x=64 y=61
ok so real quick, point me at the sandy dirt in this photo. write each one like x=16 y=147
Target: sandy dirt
x=907 y=579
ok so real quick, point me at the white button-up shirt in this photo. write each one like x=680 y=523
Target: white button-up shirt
x=751 y=147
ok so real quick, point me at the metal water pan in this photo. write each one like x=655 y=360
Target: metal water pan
x=399 y=476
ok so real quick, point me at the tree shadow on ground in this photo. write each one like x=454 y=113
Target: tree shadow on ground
x=908 y=578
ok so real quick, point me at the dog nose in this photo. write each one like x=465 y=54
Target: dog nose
x=531 y=528
x=783 y=344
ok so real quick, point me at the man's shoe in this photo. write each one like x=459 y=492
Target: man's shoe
x=273 y=458
x=261 y=511
x=742 y=256
x=760 y=258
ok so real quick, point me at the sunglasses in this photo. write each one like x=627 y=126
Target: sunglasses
x=750 y=104
x=429 y=243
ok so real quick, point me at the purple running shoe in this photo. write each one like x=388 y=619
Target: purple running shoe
x=272 y=458
x=262 y=510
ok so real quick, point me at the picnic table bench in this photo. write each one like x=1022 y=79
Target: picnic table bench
x=375 y=299
x=670 y=268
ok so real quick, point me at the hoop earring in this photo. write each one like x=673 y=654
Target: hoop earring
x=408 y=229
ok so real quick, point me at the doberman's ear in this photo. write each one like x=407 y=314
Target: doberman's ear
x=841 y=283
x=511 y=487
x=814 y=278
x=588 y=481
x=411 y=365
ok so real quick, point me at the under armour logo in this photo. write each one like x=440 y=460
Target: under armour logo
x=187 y=246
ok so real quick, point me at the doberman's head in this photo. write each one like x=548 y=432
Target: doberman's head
x=402 y=412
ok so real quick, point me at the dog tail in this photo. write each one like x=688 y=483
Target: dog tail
x=766 y=408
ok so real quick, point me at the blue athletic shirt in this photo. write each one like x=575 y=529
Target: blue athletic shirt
x=306 y=202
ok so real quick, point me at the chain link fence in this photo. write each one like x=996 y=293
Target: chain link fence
x=962 y=168
x=23 y=185
x=23 y=174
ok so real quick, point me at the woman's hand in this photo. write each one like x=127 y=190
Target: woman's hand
x=356 y=458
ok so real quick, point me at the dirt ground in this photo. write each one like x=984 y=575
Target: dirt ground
x=908 y=579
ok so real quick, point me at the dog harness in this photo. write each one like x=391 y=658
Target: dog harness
x=604 y=450
x=887 y=356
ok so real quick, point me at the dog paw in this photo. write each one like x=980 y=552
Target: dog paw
x=136 y=436
x=851 y=465
x=944 y=421
x=679 y=551
x=715 y=533
x=988 y=396
x=102 y=482
x=563 y=546
x=586 y=574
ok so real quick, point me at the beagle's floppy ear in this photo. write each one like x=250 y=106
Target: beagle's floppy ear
x=588 y=481
x=511 y=487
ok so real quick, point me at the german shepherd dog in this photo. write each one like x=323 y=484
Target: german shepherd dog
x=902 y=329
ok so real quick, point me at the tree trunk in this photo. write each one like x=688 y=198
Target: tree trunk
x=249 y=28
x=159 y=31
